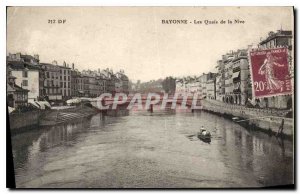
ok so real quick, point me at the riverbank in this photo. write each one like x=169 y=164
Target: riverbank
x=58 y=116
x=24 y=120
x=260 y=119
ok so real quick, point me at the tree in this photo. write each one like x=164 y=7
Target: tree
x=169 y=84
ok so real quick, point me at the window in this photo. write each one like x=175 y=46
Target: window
x=25 y=73
x=19 y=97
x=25 y=83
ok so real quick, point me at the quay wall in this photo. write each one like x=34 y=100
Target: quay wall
x=23 y=120
x=20 y=121
x=259 y=118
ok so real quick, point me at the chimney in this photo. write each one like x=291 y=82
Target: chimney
x=18 y=56
x=73 y=66
x=271 y=33
x=54 y=62
x=249 y=46
x=64 y=64
x=98 y=70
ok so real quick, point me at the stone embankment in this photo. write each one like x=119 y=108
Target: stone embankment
x=24 y=119
x=264 y=119
x=58 y=116
x=19 y=121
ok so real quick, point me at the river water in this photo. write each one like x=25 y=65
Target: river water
x=150 y=150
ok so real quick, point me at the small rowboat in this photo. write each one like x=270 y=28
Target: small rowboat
x=204 y=135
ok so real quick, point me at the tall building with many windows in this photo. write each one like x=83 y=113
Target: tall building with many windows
x=220 y=81
x=58 y=83
x=52 y=89
x=241 y=77
x=65 y=81
x=26 y=76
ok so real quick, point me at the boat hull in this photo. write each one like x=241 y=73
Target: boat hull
x=205 y=138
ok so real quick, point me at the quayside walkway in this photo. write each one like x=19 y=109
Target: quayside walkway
x=269 y=119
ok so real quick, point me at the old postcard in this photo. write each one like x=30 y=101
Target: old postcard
x=151 y=97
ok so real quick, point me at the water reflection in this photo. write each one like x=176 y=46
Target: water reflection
x=150 y=149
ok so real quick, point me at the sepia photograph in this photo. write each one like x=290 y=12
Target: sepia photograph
x=150 y=97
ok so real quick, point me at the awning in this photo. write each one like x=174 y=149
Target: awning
x=235 y=75
x=10 y=109
x=34 y=104
x=218 y=79
x=40 y=104
x=73 y=101
x=83 y=99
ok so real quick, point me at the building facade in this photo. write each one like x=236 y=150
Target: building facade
x=52 y=89
x=228 y=73
x=122 y=81
x=211 y=89
x=65 y=81
x=27 y=77
x=53 y=82
x=220 y=81
x=16 y=95
x=233 y=81
x=241 y=78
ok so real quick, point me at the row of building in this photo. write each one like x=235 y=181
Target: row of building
x=28 y=78
x=232 y=82
x=203 y=84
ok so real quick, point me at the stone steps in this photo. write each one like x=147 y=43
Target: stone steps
x=57 y=117
x=63 y=117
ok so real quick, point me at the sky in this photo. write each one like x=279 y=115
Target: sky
x=134 y=38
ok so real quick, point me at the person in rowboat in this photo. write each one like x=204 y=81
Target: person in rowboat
x=203 y=131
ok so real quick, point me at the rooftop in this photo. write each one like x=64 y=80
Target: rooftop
x=279 y=33
x=20 y=65
x=15 y=87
